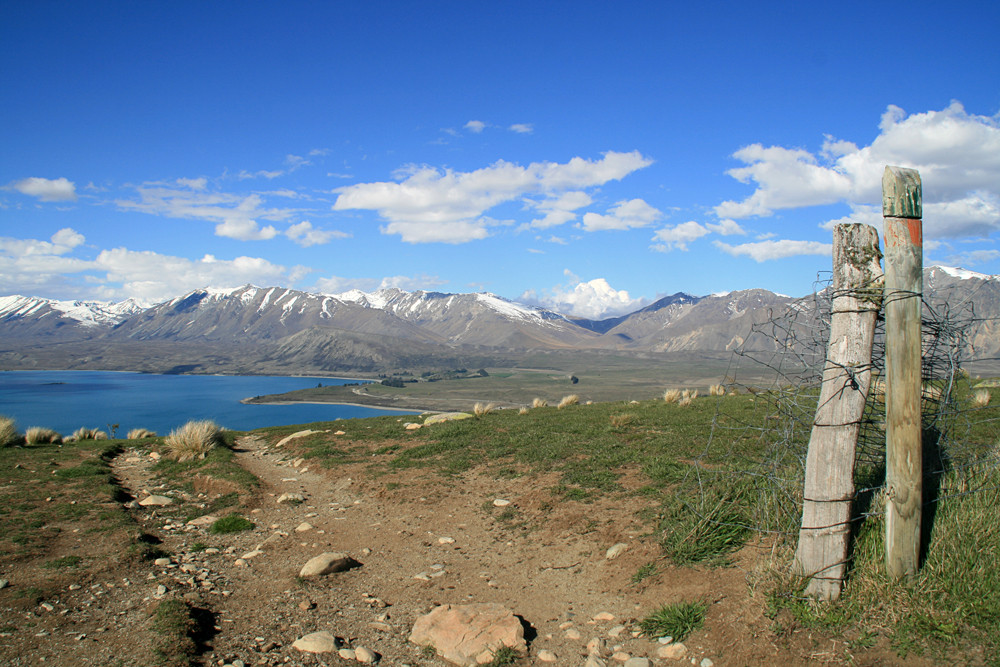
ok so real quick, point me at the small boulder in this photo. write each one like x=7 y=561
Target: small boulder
x=317 y=642
x=291 y=498
x=462 y=633
x=447 y=416
x=327 y=563
x=616 y=551
x=156 y=501
x=206 y=520
x=293 y=436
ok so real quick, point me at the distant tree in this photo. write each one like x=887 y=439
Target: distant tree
x=574 y=379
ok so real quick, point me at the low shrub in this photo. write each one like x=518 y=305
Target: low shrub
x=37 y=435
x=9 y=435
x=193 y=440
x=716 y=390
x=572 y=399
x=671 y=395
x=140 y=433
x=539 y=403
x=84 y=433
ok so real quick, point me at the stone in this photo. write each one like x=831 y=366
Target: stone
x=293 y=436
x=161 y=562
x=546 y=655
x=594 y=661
x=412 y=427
x=637 y=662
x=462 y=633
x=291 y=498
x=446 y=540
x=615 y=551
x=604 y=616
x=364 y=655
x=317 y=642
x=303 y=527
x=616 y=631
x=156 y=501
x=346 y=653
x=327 y=563
x=707 y=662
x=500 y=502
x=573 y=633
x=4 y=583
x=675 y=651
x=620 y=656
x=206 y=520
x=252 y=554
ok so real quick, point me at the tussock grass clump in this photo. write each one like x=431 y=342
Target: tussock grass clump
x=676 y=620
x=193 y=440
x=671 y=395
x=716 y=390
x=38 y=435
x=234 y=523
x=567 y=401
x=480 y=409
x=523 y=411
x=9 y=436
x=981 y=398
x=141 y=433
x=539 y=403
x=623 y=420
x=174 y=624
x=84 y=433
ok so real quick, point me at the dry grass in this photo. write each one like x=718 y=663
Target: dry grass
x=623 y=420
x=716 y=390
x=689 y=393
x=84 y=433
x=480 y=409
x=671 y=395
x=523 y=411
x=38 y=435
x=981 y=398
x=140 y=433
x=8 y=433
x=539 y=403
x=193 y=440
x=567 y=401
x=685 y=401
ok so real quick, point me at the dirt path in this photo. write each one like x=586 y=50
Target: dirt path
x=421 y=540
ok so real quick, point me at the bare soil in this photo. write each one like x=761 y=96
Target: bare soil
x=421 y=540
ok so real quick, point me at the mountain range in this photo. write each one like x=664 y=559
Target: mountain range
x=253 y=329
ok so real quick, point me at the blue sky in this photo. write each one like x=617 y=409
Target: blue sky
x=585 y=156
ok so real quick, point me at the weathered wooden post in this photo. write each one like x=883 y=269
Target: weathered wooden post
x=829 y=482
x=901 y=209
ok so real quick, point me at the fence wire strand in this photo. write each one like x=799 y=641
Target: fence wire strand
x=781 y=363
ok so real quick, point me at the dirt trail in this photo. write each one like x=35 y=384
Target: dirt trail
x=422 y=539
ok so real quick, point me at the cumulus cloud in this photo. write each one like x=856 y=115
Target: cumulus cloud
x=678 y=236
x=476 y=126
x=52 y=268
x=522 y=128
x=235 y=215
x=306 y=235
x=46 y=189
x=559 y=209
x=628 y=214
x=762 y=251
x=595 y=299
x=726 y=227
x=956 y=153
x=974 y=257
x=430 y=205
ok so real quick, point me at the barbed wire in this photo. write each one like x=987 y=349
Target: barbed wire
x=781 y=363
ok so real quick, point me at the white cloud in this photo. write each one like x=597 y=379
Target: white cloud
x=306 y=235
x=193 y=183
x=235 y=215
x=476 y=126
x=269 y=175
x=762 y=251
x=956 y=153
x=522 y=128
x=727 y=227
x=559 y=209
x=678 y=236
x=47 y=268
x=594 y=299
x=628 y=214
x=339 y=285
x=429 y=205
x=974 y=257
x=46 y=189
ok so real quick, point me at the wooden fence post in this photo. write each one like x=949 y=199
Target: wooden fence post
x=828 y=494
x=901 y=209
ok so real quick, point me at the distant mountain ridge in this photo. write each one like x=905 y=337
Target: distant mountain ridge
x=273 y=329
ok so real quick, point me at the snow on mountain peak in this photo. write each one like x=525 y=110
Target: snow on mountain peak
x=963 y=274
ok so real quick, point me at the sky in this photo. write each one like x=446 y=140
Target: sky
x=588 y=157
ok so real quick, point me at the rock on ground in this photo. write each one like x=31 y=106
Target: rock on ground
x=327 y=563
x=462 y=633
x=316 y=642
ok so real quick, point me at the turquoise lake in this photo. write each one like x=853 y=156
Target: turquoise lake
x=67 y=400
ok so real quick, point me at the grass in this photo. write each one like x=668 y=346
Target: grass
x=194 y=440
x=84 y=433
x=175 y=627
x=140 y=434
x=37 y=435
x=676 y=620
x=234 y=523
x=9 y=435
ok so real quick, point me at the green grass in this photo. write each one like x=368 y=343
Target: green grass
x=234 y=523
x=63 y=562
x=676 y=620
x=175 y=627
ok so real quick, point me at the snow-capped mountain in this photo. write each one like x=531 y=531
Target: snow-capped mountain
x=273 y=329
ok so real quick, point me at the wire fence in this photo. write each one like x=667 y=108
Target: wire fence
x=760 y=451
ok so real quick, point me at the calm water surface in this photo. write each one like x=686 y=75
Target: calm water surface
x=67 y=400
